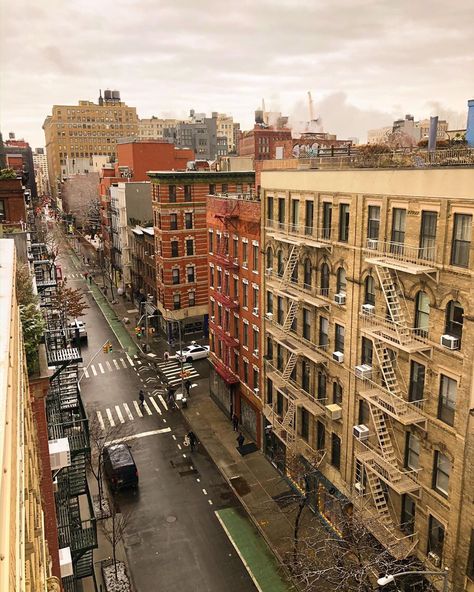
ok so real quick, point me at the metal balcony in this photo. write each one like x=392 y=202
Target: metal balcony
x=405 y=412
x=319 y=297
x=226 y=261
x=226 y=300
x=318 y=238
x=397 y=335
x=225 y=372
x=402 y=257
x=297 y=343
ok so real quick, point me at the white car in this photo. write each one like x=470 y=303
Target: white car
x=192 y=352
x=80 y=326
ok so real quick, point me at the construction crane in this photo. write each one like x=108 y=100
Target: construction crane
x=314 y=124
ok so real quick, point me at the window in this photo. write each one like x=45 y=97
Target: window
x=255 y=302
x=255 y=380
x=407 y=519
x=323 y=331
x=367 y=351
x=279 y=408
x=225 y=188
x=417 y=381
x=435 y=536
x=244 y=254
x=188 y=193
x=255 y=339
x=344 y=222
x=174 y=248
x=269 y=391
x=398 y=230
x=369 y=290
x=279 y=357
x=336 y=393
x=280 y=310
x=412 y=452
x=255 y=257
x=190 y=275
x=269 y=355
x=324 y=279
x=327 y=220
x=212 y=189
x=211 y=276
x=441 y=473
x=235 y=253
x=308 y=217
x=320 y=435
x=364 y=412
x=461 y=240
x=280 y=266
x=341 y=285
x=246 y=372
x=269 y=302
x=428 y=235
x=192 y=298
x=172 y=193
x=447 y=399
x=422 y=313
x=176 y=301
x=175 y=276
x=188 y=220
x=281 y=210
x=173 y=221
x=245 y=335
x=454 y=320
x=189 y=247
x=470 y=559
x=373 y=223
x=335 y=451
x=307 y=273
x=269 y=264
x=339 y=338
x=304 y=426
x=211 y=241
x=295 y=208
x=245 y=295
x=294 y=273
x=307 y=324
x=322 y=385
x=270 y=207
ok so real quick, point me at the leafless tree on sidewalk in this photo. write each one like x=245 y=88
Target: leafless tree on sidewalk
x=114 y=529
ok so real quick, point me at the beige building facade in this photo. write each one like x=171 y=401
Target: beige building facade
x=25 y=565
x=152 y=128
x=225 y=128
x=369 y=327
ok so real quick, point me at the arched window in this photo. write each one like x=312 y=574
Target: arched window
x=369 y=297
x=307 y=273
x=324 y=279
x=269 y=258
x=422 y=313
x=454 y=320
x=294 y=273
x=341 y=281
x=280 y=262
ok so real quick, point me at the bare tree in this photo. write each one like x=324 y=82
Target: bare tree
x=68 y=301
x=114 y=530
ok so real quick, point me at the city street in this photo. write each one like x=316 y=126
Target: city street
x=174 y=541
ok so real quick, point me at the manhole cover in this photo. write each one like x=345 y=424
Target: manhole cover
x=171 y=519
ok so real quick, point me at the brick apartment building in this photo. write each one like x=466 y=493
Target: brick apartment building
x=235 y=272
x=261 y=143
x=12 y=201
x=179 y=201
x=142 y=256
x=369 y=333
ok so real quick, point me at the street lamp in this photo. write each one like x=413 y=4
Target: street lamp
x=389 y=578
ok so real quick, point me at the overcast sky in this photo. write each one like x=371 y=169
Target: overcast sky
x=365 y=61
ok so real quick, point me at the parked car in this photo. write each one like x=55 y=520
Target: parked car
x=80 y=326
x=119 y=467
x=192 y=352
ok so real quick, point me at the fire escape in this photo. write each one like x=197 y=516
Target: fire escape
x=227 y=263
x=388 y=402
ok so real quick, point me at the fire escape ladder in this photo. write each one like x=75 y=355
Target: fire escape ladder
x=384 y=439
x=288 y=424
x=290 y=317
x=290 y=265
x=391 y=294
x=290 y=365
x=390 y=378
x=380 y=501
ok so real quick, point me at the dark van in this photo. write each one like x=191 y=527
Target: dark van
x=119 y=467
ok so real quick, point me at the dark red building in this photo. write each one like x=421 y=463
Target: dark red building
x=12 y=201
x=265 y=143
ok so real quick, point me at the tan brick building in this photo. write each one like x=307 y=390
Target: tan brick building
x=369 y=328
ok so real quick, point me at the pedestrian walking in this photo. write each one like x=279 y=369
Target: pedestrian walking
x=187 y=386
x=141 y=396
x=192 y=440
x=171 y=401
x=86 y=273
x=240 y=440
x=235 y=422
x=90 y=279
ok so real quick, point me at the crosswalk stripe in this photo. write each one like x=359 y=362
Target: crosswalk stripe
x=86 y=374
x=155 y=405
x=137 y=409
x=115 y=364
x=109 y=415
x=119 y=413
x=130 y=361
x=123 y=362
x=101 y=368
x=163 y=402
x=101 y=421
x=94 y=371
x=139 y=363
x=128 y=412
x=147 y=409
x=109 y=367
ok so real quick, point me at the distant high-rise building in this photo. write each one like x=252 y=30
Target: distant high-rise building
x=40 y=162
x=85 y=130
x=153 y=128
x=19 y=156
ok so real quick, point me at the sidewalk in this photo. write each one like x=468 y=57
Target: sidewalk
x=255 y=481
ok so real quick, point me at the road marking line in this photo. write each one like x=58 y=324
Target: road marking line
x=94 y=371
x=109 y=367
x=101 y=421
x=136 y=436
x=164 y=420
x=123 y=362
x=155 y=405
x=128 y=412
x=184 y=456
x=119 y=413
x=198 y=480
x=147 y=409
x=234 y=544
x=101 y=368
x=111 y=419
x=137 y=408
x=86 y=374
x=210 y=502
x=130 y=361
x=204 y=492
x=163 y=402
x=174 y=437
x=139 y=363
x=179 y=446
x=115 y=364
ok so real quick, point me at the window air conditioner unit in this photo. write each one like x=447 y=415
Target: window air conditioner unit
x=65 y=562
x=359 y=487
x=334 y=411
x=372 y=243
x=435 y=559
x=212 y=318
x=255 y=352
x=55 y=485
x=361 y=432
x=340 y=298
x=338 y=357
x=269 y=316
x=269 y=270
x=219 y=288
x=368 y=309
x=244 y=264
x=363 y=371
x=255 y=310
x=256 y=390
x=59 y=454
x=449 y=342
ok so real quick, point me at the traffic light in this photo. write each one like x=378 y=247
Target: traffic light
x=138 y=331
x=107 y=347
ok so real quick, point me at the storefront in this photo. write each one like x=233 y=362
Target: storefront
x=248 y=418
x=221 y=393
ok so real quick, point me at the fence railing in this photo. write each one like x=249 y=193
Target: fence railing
x=401 y=251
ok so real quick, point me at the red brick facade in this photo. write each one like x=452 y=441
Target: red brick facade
x=142 y=156
x=261 y=143
x=235 y=270
x=12 y=201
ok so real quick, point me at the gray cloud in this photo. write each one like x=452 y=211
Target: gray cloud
x=366 y=61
